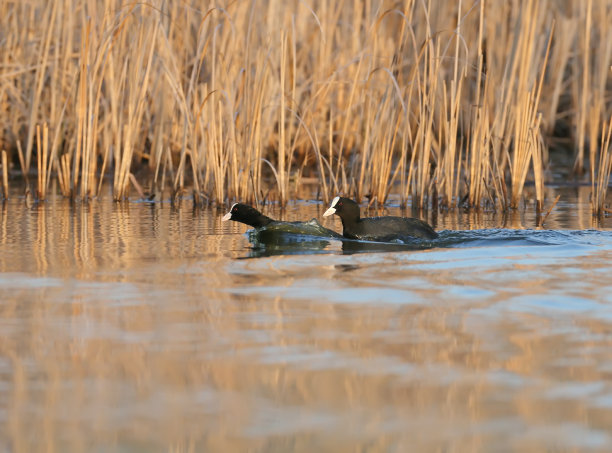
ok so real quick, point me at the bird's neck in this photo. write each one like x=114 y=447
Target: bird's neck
x=352 y=221
x=261 y=221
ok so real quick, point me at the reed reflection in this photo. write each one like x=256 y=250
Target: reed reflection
x=135 y=327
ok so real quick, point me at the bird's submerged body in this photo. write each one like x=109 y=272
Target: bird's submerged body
x=250 y=216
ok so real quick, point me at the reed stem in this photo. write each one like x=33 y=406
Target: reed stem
x=5 y=190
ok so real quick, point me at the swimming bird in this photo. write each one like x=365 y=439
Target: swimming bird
x=248 y=215
x=377 y=228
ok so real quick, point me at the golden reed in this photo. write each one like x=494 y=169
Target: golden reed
x=445 y=103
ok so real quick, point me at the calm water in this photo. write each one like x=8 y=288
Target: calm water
x=139 y=328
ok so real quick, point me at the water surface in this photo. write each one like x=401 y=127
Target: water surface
x=139 y=327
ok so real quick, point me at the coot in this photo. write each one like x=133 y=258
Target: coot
x=266 y=226
x=377 y=228
x=248 y=215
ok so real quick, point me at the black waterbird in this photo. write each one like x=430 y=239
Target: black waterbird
x=384 y=229
x=248 y=215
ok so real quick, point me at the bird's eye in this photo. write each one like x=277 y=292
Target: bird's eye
x=340 y=204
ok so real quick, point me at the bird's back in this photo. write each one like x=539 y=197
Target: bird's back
x=380 y=227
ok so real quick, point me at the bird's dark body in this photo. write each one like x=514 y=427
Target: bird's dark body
x=377 y=228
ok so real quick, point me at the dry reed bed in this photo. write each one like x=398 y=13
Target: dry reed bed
x=445 y=102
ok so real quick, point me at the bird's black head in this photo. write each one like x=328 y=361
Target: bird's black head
x=343 y=207
x=246 y=214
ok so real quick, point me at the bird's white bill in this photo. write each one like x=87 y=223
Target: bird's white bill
x=330 y=211
x=228 y=216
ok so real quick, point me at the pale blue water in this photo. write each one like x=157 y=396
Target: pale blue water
x=140 y=327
